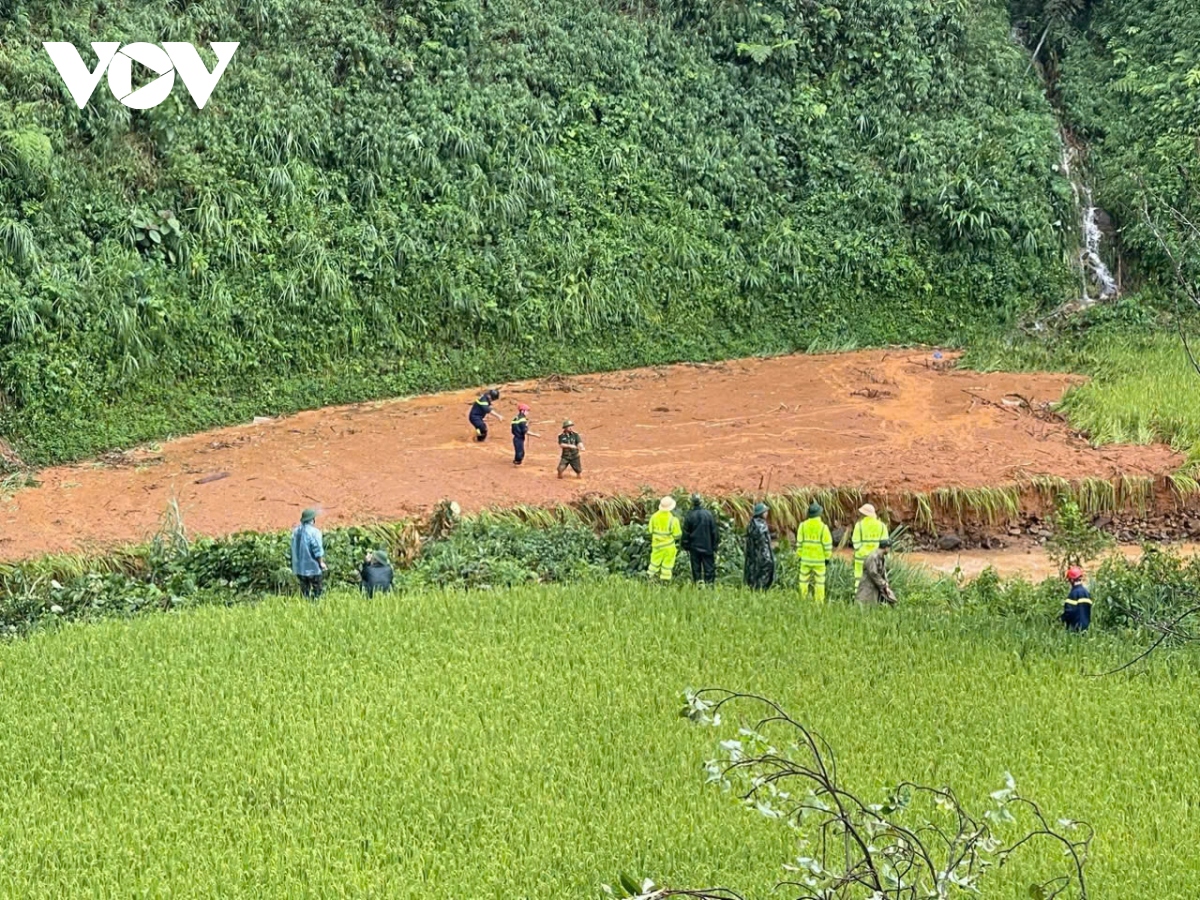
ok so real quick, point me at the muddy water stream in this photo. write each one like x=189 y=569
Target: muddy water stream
x=1030 y=562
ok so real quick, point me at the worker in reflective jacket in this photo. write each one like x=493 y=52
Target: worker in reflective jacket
x=814 y=547
x=868 y=533
x=664 y=530
x=1077 y=608
x=480 y=410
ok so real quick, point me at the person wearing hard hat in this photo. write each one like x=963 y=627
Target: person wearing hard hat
x=480 y=410
x=570 y=442
x=520 y=431
x=868 y=533
x=814 y=547
x=664 y=531
x=759 y=568
x=1077 y=608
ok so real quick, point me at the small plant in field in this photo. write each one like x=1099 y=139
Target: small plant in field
x=1074 y=540
x=157 y=233
x=917 y=843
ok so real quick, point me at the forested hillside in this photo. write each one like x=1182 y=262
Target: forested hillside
x=1127 y=73
x=388 y=196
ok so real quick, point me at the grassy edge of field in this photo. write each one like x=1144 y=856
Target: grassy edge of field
x=508 y=548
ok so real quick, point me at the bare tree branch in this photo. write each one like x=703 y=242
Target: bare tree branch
x=920 y=842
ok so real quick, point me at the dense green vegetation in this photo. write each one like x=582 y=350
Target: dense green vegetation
x=506 y=550
x=1126 y=76
x=525 y=742
x=383 y=198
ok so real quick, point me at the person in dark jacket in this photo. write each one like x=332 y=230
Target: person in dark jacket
x=520 y=431
x=700 y=541
x=1077 y=608
x=376 y=573
x=480 y=410
x=759 y=572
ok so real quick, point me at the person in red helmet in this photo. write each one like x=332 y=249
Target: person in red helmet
x=1077 y=608
x=520 y=430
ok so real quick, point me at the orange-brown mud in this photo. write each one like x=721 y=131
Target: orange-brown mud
x=1024 y=560
x=893 y=421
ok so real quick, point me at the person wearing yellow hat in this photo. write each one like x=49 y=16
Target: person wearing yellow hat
x=664 y=530
x=868 y=533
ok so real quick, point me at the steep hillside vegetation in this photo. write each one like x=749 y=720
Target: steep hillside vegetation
x=386 y=196
x=1127 y=76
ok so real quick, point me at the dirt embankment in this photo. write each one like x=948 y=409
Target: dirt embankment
x=890 y=422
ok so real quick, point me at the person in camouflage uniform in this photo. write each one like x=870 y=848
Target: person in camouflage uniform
x=874 y=587
x=759 y=570
x=570 y=442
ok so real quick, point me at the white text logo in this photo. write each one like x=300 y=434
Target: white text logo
x=118 y=61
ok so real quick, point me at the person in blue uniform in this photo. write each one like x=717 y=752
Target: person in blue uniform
x=1077 y=608
x=520 y=431
x=480 y=410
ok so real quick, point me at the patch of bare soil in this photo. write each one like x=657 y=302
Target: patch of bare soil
x=897 y=421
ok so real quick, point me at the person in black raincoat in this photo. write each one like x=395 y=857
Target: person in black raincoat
x=376 y=573
x=759 y=572
x=700 y=541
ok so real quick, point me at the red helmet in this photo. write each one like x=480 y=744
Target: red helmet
x=522 y=408
x=1074 y=573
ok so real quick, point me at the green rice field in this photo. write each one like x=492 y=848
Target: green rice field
x=526 y=743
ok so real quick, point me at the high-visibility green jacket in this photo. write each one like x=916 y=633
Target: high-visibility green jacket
x=814 y=543
x=867 y=534
x=664 y=528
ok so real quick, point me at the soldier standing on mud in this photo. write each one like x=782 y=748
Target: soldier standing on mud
x=759 y=571
x=570 y=442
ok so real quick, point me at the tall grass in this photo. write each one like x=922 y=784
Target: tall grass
x=1142 y=388
x=525 y=743
x=1142 y=391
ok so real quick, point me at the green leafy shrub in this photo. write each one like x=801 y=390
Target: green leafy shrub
x=1017 y=598
x=484 y=553
x=1074 y=540
x=1158 y=587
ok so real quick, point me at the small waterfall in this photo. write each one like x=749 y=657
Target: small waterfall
x=1089 y=256
x=1092 y=268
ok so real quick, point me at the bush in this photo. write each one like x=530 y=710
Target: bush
x=1074 y=540
x=1016 y=597
x=1157 y=588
